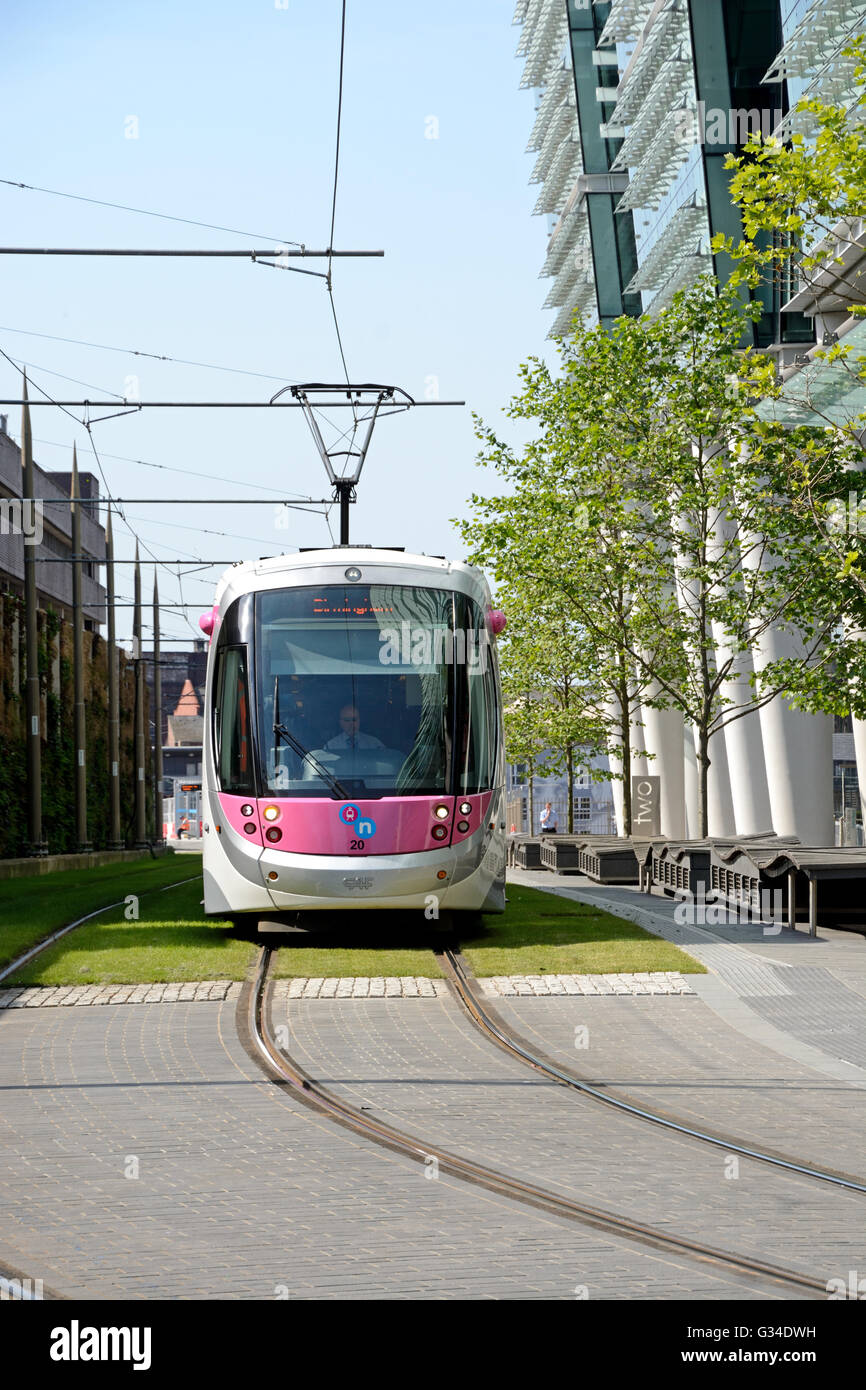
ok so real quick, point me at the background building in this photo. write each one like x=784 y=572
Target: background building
x=640 y=102
x=53 y=576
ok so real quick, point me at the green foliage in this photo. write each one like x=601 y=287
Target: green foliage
x=639 y=528
x=813 y=191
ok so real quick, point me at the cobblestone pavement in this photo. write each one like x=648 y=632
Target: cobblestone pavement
x=804 y=997
x=655 y=982
x=683 y=1060
x=350 y=987
x=428 y=1070
x=242 y=1192
x=72 y=996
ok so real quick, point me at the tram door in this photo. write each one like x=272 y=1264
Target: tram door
x=187 y=810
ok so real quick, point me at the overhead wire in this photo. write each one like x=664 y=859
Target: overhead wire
x=330 y=281
x=187 y=472
x=156 y=356
x=144 y=212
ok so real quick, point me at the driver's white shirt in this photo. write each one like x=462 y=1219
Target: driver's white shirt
x=344 y=740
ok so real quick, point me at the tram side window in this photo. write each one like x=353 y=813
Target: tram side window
x=232 y=724
x=480 y=734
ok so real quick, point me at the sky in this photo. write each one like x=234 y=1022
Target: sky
x=225 y=112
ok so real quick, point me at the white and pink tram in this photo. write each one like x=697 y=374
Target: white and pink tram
x=353 y=751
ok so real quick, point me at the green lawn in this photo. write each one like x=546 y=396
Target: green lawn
x=539 y=933
x=32 y=908
x=543 y=934
x=361 y=944
x=172 y=940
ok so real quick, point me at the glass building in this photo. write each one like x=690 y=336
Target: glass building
x=640 y=103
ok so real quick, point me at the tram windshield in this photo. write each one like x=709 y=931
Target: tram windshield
x=355 y=690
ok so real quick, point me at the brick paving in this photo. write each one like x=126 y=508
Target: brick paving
x=683 y=1060
x=428 y=1070
x=803 y=997
x=242 y=1192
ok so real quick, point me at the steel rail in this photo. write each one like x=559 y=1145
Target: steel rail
x=289 y=1072
x=496 y=1031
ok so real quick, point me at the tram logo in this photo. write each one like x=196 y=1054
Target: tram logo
x=363 y=826
x=358 y=882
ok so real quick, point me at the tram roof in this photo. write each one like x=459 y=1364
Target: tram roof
x=328 y=565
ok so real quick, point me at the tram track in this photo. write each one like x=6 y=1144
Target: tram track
x=254 y=1016
x=494 y=1028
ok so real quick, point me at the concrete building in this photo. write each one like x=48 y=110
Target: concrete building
x=53 y=553
x=639 y=104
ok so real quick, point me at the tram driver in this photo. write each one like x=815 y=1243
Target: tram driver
x=350 y=735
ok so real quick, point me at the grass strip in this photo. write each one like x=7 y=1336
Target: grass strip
x=33 y=908
x=544 y=934
x=172 y=940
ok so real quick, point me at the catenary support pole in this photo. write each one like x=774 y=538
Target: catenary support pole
x=35 y=843
x=114 y=837
x=82 y=844
x=140 y=783
x=157 y=720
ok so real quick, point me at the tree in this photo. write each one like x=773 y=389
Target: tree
x=551 y=722
x=646 y=505
x=801 y=206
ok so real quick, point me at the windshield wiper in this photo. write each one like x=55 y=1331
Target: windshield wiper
x=306 y=753
x=282 y=732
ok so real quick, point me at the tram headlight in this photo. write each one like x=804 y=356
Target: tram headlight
x=250 y=828
x=466 y=808
x=439 y=832
x=353 y=574
x=271 y=812
x=273 y=834
x=440 y=812
x=246 y=810
x=463 y=826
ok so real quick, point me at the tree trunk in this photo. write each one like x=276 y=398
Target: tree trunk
x=625 y=736
x=531 y=806
x=703 y=770
x=569 y=767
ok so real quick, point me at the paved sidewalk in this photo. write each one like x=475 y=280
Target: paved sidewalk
x=803 y=997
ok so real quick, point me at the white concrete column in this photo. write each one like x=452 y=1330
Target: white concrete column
x=663 y=734
x=798 y=753
x=690 y=782
x=750 y=794
x=639 y=760
x=720 y=802
x=616 y=789
x=859 y=726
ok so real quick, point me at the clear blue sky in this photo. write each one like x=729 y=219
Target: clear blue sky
x=236 y=107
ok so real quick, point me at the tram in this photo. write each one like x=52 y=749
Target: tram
x=353 y=754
